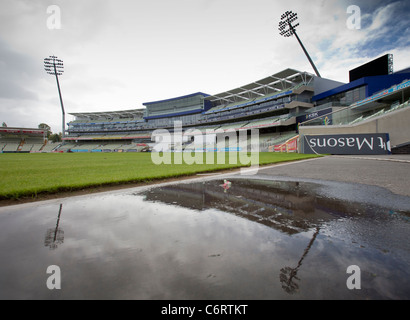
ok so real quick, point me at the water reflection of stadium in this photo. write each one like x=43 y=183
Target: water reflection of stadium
x=290 y=207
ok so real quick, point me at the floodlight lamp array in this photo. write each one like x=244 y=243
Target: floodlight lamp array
x=53 y=66
x=285 y=25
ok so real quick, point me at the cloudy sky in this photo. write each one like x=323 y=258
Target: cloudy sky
x=120 y=54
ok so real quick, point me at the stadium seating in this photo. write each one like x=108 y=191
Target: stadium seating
x=262 y=123
x=256 y=103
x=91 y=135
x=26 y=147
x=283 y=137
x=110 y=146
x=50 y=146
x=68 y=146
x=360 y=117
x=11 y=147
x=235 y=126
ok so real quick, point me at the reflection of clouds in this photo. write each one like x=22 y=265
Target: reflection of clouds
x=122 y=247
x=158 y=244
x=157 y=247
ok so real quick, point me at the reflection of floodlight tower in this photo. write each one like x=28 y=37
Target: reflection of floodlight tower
x=288 y=275
x=55 y=66
x=287 y=30
x=55 y=236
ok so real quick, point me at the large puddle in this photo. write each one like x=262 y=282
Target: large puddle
x=250 y=239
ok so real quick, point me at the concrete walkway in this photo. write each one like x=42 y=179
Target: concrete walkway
x=390 y=172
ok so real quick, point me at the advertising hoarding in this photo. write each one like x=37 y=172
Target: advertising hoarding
x=347 y=144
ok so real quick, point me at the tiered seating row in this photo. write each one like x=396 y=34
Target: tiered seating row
x=244 y=103
x=98 y=147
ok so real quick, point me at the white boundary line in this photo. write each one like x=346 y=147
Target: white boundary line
x=283 y=164
x=367 y=158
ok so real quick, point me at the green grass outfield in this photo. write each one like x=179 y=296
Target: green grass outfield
x=23 y=175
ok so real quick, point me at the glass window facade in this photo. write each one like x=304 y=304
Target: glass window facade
x=345 y=98
x=171 y=106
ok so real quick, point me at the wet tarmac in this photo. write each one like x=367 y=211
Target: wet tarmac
x=259 y=237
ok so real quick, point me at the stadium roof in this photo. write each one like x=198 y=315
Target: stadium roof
x=135 y=113
x=22 y=130
x=280 y=81
x=177 y=98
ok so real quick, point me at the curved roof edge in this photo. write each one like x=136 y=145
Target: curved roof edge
x=177 y=98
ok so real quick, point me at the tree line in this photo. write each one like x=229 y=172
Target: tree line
x=53 y=137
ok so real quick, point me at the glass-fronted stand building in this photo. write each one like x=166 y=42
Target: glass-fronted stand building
x=277 y=105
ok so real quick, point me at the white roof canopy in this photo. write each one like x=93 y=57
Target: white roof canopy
x=280 y=81
x=136 y=113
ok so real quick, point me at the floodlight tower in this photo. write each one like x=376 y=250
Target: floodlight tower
x=55 y=66
x=287 y=30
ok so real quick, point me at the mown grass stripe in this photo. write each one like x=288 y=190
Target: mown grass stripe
x=33 y=174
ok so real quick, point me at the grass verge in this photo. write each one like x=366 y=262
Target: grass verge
x=28 y=175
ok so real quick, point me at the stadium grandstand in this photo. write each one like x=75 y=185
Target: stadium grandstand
x=270 y=105
x=25 y=140
x=277 y=105
x=386 y=111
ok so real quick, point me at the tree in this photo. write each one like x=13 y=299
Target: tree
x=45 y=126
x=4 y=124
x=55 y=137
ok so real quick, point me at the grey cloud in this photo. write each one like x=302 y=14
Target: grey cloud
x=10 y=90
x=18 y=72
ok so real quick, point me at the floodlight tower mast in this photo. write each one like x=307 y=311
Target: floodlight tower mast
x=55 y=66
x=287 y=30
